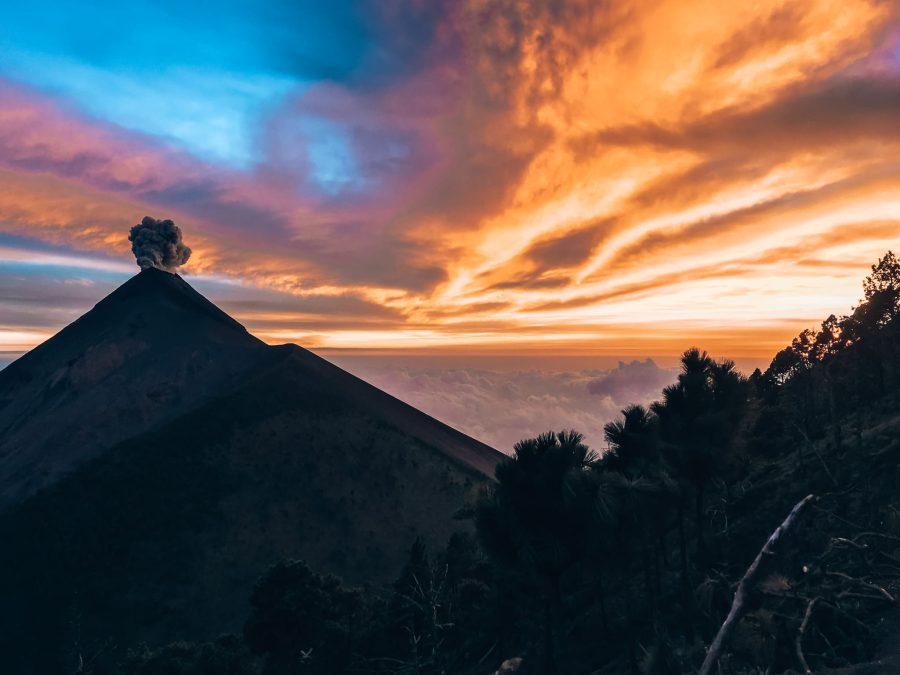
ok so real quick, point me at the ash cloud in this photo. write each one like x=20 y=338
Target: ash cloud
x=158 y=243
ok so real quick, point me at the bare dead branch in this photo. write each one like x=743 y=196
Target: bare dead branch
x=812 y=447
x=862 y=582
x=879 y=535
x=799 y=641
x=739 y=605
x=841 y=519
x=837 y=609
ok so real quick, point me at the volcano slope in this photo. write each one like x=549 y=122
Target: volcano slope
x=149 y=351
x=178 y=502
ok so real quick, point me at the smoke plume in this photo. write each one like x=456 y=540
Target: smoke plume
x=158 y=243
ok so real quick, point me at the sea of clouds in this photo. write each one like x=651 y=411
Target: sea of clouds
x=500 y=408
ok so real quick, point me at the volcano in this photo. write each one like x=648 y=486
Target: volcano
x=156 y=458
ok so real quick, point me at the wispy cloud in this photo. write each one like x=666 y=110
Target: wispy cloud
x=562 y=176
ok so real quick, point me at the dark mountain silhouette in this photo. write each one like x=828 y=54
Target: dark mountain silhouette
x=151 y=350
x=156 y=457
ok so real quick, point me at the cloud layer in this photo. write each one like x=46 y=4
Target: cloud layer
x=630 y=178
x=501 y=408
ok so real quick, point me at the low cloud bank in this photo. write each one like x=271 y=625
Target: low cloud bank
x=501 y=408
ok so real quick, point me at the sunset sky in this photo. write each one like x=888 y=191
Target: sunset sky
x=618 y=179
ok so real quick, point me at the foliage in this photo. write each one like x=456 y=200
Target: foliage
x=302 y=621
x=881 y=304
x=536 y=518
x=227 y=655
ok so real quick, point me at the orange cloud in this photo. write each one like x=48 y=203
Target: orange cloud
x=639 y=176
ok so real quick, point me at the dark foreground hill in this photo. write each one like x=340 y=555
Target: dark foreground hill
x=178 y=457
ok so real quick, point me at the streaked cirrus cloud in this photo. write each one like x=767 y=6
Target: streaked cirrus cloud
x=625 y=178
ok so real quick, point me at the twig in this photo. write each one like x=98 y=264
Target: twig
x=858 y=596
x=799 y=641
x=874 y=587
x=860 y=549
x=739 y=605
x=487 y=653
x=837 y=517
x=827 y=643
x=812 y=447
x=880 y=535
x=839 y=610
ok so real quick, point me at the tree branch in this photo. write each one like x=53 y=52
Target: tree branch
x=739 y=605
x=799 y=642
x=863 y=582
